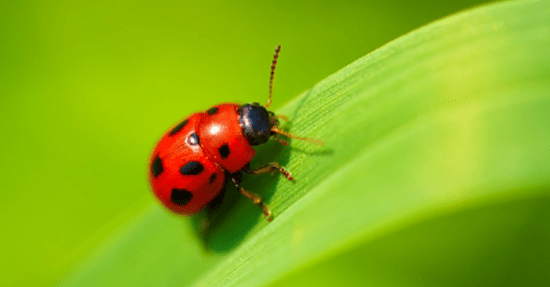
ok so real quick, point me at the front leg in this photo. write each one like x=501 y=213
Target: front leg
x=271 y=168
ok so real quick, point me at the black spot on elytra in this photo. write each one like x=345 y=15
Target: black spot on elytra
x=212 y=110
x=180 y=196
x=224 y=151
x=156 y=167
x=193 y=139
x=191 y=168
x=212 y=178
x=178 y=128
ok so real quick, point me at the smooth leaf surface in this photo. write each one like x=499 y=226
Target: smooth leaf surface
x=435 y=170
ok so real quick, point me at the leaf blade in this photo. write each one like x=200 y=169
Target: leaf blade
x=439 y=123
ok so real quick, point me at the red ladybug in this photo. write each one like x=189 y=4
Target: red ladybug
x=192 y=161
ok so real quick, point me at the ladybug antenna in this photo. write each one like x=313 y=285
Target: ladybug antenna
x=289 y=135
x=273 y=64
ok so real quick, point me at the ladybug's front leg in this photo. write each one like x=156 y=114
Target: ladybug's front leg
x=271 y=168
x=256 y=199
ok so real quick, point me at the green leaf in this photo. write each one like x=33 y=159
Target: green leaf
x=436 y=171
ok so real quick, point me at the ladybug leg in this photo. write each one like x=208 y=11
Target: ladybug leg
x=278 y=131
x=256 y=199
x=283 y=117
x=271 y=168
x=280 y=140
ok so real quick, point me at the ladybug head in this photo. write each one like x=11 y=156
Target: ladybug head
x=257 y=123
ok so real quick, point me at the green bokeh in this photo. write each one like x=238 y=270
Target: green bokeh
x=87 y=88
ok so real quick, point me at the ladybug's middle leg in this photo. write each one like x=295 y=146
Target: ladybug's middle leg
x=256 y=199
x=271 y=168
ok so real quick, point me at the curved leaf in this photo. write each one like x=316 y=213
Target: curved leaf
x=435 y=170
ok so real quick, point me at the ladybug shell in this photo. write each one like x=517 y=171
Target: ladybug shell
x=182 y=176
x=222 y=138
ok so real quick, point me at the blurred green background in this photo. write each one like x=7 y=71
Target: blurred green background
x=88 y=88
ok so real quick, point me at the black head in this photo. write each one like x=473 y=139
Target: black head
x=257 y=123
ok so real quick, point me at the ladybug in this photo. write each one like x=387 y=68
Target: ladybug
x=193 y=160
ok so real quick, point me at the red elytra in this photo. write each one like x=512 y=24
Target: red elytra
x=221 y=128
x=192 y=161
x=203 y=178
